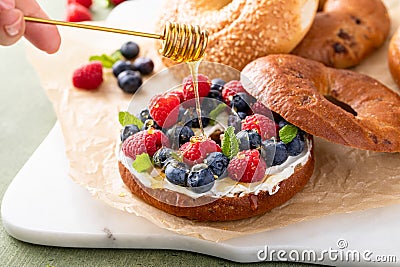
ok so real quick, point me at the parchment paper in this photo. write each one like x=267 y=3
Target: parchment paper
x=344 y=179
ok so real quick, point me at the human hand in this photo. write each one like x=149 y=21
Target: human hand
x=13 y=26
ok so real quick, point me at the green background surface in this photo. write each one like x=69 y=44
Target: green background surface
x=26 y=118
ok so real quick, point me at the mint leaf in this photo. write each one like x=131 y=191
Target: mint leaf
x=142 y=162
x=107 y=60
x=116 y=56
x=230 y=144
x=287 y=133
x=215 y=112
x=125 y=118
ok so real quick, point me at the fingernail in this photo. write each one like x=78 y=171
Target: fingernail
x=7 y=4
x=13 y=29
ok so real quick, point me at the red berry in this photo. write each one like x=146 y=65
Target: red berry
x=204 y=85
x=117 y=2
x=88 y=76
x=164 y=109
x=259 y=108
x=85 y=3
x=179 y=94
x=230 y=89
x=247 y=167
x=265 y=127
x=196 y=152
x=147 y=141
x=77 y=12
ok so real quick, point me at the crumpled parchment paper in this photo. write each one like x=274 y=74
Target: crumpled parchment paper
x=344 y=180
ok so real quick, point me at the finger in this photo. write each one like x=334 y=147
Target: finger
x=11 y=26
x=44 y=37
x=7 y=5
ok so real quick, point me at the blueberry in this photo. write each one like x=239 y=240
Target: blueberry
x=200 y=179
x=236 y=122
x=129 y=81
x=217 y=84
x=296 y=146
x=215 y=94
x=162 y=156
x=274 y=153
x=120 y=66
x=248 y=139
x=176 y=172
x=190 y=118
x=128 y=131
x=241 y=102
x=218 y=163
x=242 y=115
x=282 y=123
x=129 y=50
x=144 y=115
x=178 y=135
x=144 y=65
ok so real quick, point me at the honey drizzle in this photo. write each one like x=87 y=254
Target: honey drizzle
x=194 y=71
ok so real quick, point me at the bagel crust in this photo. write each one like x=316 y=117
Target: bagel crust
x=223 y=208
x=394 y=57
x=240 y=30
x=345 y=32
x=295 y=87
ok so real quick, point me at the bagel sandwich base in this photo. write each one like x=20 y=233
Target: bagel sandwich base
x=235 y=201
x=304 y=83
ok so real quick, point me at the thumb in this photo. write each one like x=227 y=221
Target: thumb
x=12 y=26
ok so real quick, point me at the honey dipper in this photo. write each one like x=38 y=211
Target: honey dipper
x=181 y=42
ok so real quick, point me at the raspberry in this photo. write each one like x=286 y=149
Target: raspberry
x=77 y=12
x=263 y=125
x=85 y=3
x=247 y=167
x=148 y=141
x=259 y=108
x=196 y=152
x=164 y=109
x=179 y=94
x=204 y=85
x=230 y=89
x=88 y=76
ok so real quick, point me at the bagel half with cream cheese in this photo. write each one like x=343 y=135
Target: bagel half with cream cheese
x=259 y=171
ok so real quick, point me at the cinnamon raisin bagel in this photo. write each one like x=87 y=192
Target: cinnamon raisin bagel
x=345 y=32
x=394 y=57
x=241 y=31
x=304 y=83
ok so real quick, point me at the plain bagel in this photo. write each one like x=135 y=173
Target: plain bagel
x=240 y=30
x=304 y=83
x=223 y=208
x=345 y=32
x=394 y=56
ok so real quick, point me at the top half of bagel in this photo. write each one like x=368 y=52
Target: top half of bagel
x=240 y=30
x=310 y=89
